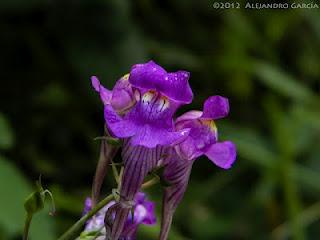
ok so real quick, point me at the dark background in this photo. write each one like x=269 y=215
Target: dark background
x=267 y=62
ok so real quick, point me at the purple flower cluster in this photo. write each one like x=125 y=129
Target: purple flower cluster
x=143 y=214
x=140 y=110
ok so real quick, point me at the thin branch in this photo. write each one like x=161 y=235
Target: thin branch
x=27 y=226
x=72 y=232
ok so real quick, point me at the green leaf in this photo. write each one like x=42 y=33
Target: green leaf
x=307 y=177
x=281 y=126
x=255 y=148
x=13 y=192
x=310 y=116
x=281 y=82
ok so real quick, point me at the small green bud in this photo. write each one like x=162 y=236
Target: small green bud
x=34 y=202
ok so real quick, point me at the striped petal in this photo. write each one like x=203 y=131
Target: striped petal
x=177 y=173
x=138 y=161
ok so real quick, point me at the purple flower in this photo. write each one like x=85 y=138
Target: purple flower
x=142 y=104
x=143 y=214
x=202 y=140
x=140 y=111
x=157 y=95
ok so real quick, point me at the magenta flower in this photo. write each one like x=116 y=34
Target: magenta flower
x=143 y=214
x=202 y=140
x=140 y=111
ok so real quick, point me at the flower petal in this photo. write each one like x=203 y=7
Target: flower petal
x=188 y=150
x=191 y=115
x=87 y=206
x=222 y=154
x=177 y=173
x=105 y=94
x=95 y=83
x=137 y=164
x=122 y=95
x=139 y=214
x=215 y=107
x=151 y=76
x=97 y=221
x=150 y=217
x=150 y=136
x=140 y=198
x=148 y=75
x=176 y=86
x=202 y=135
x=118 y=127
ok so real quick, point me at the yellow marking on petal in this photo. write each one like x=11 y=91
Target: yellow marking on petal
x=211 y=124
x=148 y=96
x=126 y=77
x=163 y=103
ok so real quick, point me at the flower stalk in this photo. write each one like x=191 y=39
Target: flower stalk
x=27 y=224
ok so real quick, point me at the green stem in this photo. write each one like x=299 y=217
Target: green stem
x=150 y=183
x=115 y=172
x=27 y=226
x=72 y=232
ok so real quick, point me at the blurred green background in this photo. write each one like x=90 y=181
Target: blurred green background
x=266 y=61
